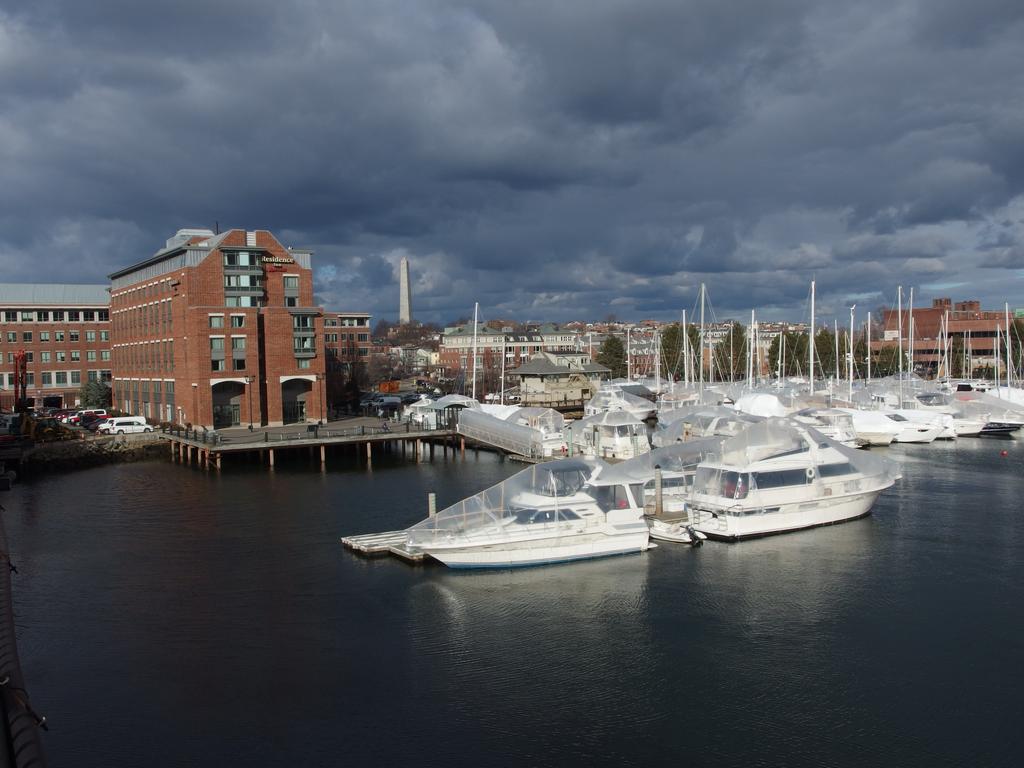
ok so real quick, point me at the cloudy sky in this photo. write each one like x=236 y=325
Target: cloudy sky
x=551 y=160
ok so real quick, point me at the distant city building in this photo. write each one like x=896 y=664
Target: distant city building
x=405 y=293
x=456 y=349
x=972 y=329
x=346 y=340
x=560 y=381
x=218 y=330
x=64 y=330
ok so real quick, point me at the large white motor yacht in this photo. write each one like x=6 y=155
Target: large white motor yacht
x=782 y=476
x=550 y=513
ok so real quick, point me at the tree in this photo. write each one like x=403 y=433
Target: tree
x=94 y=394
x=672 y=351
x=793 y=345
x=731 y=353
x=380 y=330
x=887 y=363
x=612 y=354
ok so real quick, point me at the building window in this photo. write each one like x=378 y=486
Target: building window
x=89 y=316
x=238 y=363
x=302 y=322
x=75 y=355
x=61 y=378
x=364 y=352
x=58 y=335
x=238 y=344
x=104 y=354
x=90 y=355
x=291 y=282
x=46 y=379
x=364 y=337
x=12 y=337
x=42 y=316
x=104 y=335
x=240 y=259
x=302 y=363
x=44 y=336
x=44 y=357
x=73 y=315
x=27 y=337
x=103 y=315
x=72 y=336
x=238 y=321
x=28 y=317
x=216 y=321
x=90 y=336
x=291 y=301
x=217 y=365
x=58 y=315
x=94 y=376
x=10 y=317
x=216 y=343
x=61 y=356
x=76 y=377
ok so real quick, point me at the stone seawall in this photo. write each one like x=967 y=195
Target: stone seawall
x=79 y=454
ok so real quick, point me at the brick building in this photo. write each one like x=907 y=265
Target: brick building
x=64 y=330
x=218 y=330
x=968 y=327
x=346 y=340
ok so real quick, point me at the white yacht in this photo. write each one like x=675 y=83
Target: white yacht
x=781 y=476
x=550 y=513
x=609 y=435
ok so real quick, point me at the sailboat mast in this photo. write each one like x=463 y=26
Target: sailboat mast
x=869 y=347
x=810 y=345
x=476 y=317
x=1009 y=346
x=849 y=346
x=701 y=356
x=504 y=339
x=835 y=338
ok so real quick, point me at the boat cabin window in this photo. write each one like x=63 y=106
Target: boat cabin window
x=836 y=470
x=564 y=483
x=896 y=417
x=528 y=516
x=610 y=497
x=780 y=478
x=734 y=485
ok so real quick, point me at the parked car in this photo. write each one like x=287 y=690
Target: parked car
x=76 y=418
x=124 y=425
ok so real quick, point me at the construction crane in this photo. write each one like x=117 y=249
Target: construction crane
x=20 y=381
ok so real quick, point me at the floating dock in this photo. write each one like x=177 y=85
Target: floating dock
x=387 y=543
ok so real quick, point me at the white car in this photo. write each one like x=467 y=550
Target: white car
x=124 y=425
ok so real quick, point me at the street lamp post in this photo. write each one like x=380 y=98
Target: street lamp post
x=248 y=388
x=320 y=379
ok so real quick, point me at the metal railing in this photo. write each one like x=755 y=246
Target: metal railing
x=309 y=432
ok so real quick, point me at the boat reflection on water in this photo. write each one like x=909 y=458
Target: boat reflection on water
x=544 y=640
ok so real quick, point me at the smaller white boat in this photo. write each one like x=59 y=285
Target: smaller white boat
x=549 y=513
x=677 y=532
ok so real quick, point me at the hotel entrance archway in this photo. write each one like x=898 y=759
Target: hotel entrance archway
x=227 y=403
x=294 y=395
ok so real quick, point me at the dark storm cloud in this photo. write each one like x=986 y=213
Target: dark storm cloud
x=551 y=161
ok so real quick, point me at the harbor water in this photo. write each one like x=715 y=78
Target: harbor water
x=173 y=617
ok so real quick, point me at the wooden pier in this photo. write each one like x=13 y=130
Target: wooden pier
x=207 y=450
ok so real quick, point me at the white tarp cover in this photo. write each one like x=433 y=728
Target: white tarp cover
x=777 y=438
x=499 y=433
x=681 y=457
x=547 y=420
x=539 y=489
x=761 y=404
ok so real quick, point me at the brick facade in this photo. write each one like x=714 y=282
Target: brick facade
x=64 y=331
x=219 y=330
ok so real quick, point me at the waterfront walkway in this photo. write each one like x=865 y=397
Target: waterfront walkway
x=207 y=447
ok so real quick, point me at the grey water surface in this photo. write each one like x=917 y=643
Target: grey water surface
x=172 y=617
